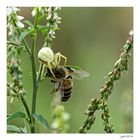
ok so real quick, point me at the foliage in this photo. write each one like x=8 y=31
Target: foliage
x=17 y=43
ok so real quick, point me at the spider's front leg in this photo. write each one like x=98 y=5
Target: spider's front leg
x=49 y=65
x=57 y=58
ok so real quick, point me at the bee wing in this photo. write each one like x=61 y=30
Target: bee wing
x=79 y=74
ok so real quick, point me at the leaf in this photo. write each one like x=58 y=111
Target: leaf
x=15 y=116
x=74 y=67
x=41 y=119
x=29 y=23
x=43 y=27
x=14 y=43
x=25 y=33
x=41 y=17
x=13 y=128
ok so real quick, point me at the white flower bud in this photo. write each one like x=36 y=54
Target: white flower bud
x=131 y=32
x=46 y=54
x=66 y=116
x=11 y=10
x=34 y=12
x=20 y=24
x=55 y=124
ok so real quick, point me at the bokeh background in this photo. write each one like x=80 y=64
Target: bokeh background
x=91 y=38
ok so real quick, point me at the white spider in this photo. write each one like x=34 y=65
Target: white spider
x=50 y=59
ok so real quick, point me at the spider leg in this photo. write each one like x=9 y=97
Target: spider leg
x=58 y=57
x=65 y=59
x=50 y=68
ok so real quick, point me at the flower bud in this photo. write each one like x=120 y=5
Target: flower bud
x=59 y=110
x=91 y=120
x=22 y=92
x=20 y=84
x=88 y=126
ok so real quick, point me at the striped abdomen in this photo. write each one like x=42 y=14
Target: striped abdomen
x=66 y=88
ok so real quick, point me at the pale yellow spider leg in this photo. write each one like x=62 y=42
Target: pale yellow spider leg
x=58 y=57
x=42 y=73
x=50 y=68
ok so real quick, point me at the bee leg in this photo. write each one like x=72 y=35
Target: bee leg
x=56 y=86
x=54 y=90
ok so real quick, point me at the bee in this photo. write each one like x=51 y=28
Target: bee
x=63 y=80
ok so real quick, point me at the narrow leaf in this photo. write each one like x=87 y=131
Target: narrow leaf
x=15 y=116
x=29 y=23
x=73 y=67
x=25 y=33
x=41 y=120
x=42 y=17
x=14 y=43
x=13 y=128
x=42 y=27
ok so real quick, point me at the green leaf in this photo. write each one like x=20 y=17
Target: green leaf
x=25 y=33
x=15 y=116
x=74 y=67
x=13 y=128
x=41 y=119
x=29 y=23
x=42 y=17
x=42 y=27
x=14 y=43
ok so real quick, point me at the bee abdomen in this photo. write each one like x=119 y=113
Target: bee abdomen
x=65 y=98
x=66 y=93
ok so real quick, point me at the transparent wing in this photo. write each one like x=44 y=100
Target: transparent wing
x=77 y=74
x=80 y=74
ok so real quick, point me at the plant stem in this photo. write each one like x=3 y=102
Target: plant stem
x=34 y=83
x=35 y=87
x=27 y=111
x=26 y=107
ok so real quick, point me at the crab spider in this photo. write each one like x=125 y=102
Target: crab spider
x=50 y=59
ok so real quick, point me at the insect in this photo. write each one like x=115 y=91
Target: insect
x=64 y=78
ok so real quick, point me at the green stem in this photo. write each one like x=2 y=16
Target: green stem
x=27 y=112
x=34 y=83
x=26 y=107
x=35 y=86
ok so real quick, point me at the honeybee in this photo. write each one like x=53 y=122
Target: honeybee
x=63 y=80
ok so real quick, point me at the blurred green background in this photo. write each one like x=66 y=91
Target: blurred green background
x=91 y=38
